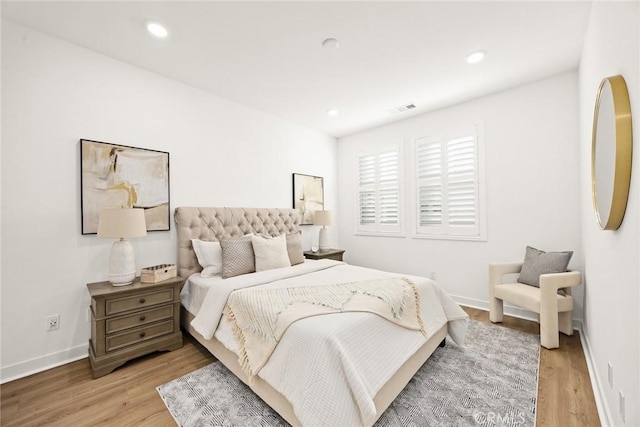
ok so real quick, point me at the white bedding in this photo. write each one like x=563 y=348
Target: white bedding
x=329 y=367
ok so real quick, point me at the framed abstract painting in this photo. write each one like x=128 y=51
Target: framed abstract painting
x=308 y=196
x=121 y=176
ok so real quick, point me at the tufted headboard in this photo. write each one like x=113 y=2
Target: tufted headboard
x=219 y=223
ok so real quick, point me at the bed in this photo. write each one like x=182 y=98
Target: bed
x=337 y=361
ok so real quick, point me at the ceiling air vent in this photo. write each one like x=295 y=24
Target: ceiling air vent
x=401 y=109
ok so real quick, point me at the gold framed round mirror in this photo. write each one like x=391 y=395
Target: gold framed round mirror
x=611 y=150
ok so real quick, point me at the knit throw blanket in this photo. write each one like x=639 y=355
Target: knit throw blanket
x=261 y=316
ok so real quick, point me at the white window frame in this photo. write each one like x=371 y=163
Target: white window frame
x=377 y=228
x=445 y=230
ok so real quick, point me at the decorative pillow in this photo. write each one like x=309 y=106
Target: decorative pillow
x=538 y=262
x=270 y=252
x=209 y=256
x=294 y=248
x=237 y=257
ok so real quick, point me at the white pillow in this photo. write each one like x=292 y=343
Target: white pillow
x=209 y=257
x=270 y=253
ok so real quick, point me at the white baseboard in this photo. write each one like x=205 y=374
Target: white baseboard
x=598 y=386
x=43 y=363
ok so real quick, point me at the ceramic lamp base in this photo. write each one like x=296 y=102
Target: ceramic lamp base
x=323 y=239
x=122 y=263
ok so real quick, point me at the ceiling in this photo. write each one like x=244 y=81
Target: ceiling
x=269 y=55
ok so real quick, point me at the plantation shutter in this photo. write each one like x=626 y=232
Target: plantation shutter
x=388 y=187
x=446 y=169
x=367 y=192
x=462 y=182
x=429 y=172
x=379 y=191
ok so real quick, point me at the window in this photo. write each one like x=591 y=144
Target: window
x=448 y=185
x=379 y=191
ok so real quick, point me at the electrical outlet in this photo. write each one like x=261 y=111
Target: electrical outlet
x=621 y=405
x=432 y=275
x=610 y=374
x=53 y=322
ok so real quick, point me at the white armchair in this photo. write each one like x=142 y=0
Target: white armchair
x=555 y=310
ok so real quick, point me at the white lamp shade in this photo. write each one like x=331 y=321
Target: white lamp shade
x=323 y=218
x=119 y=223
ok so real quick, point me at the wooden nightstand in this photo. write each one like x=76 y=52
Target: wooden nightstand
x=132 y=320
x=326 y=254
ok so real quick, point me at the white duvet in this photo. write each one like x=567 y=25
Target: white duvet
x=329 y=367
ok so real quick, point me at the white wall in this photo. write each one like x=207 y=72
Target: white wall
x=612 y=298
x=532 y=172
x=53 y=94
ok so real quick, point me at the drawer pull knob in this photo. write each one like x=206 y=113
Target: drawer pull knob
x=142 y=334
x=142 y=300
x=142 y=318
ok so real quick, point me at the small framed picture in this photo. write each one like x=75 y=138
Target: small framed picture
x=308 y=196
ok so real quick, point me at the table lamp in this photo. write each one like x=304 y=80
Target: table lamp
x=120 y=223
x=323 y=218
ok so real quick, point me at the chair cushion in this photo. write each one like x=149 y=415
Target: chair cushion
x=537 y=262
x=528 y=297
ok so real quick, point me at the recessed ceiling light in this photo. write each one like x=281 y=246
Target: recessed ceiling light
x=330 y=43
x=157 y=30
x=332 y=112
x=475 y=57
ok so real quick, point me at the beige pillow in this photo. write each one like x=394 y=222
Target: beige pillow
x=294 y=248
x=237 y=257
x=270 y=253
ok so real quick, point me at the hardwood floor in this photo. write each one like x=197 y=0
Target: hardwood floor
x=69 y=396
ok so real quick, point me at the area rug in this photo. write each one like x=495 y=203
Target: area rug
x=491 y=381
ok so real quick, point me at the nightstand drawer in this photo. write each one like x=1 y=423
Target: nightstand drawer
x=135 y=336
x=118 y=305
x=133 y=320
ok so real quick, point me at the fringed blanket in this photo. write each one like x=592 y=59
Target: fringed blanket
x=261 y=316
